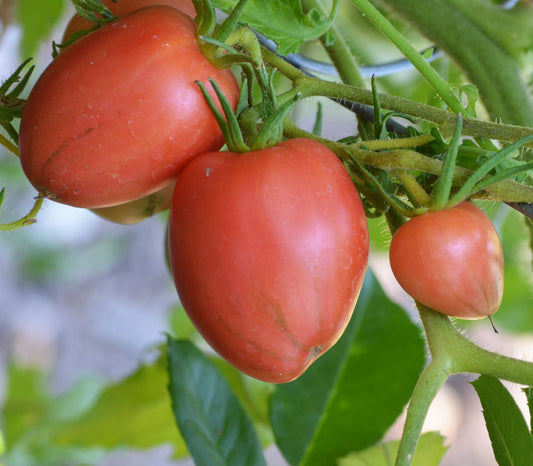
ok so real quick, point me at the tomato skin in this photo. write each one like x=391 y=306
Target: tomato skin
x=138 y=210
x=108 y=122
x=268 y=252
x=123 y=7
x=450 y=261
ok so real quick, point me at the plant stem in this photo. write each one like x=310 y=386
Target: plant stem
x=447 y=121
x=434 y=79
x=504 y=190
x=428 y=385
x=28 y=219
x=465 y=356
x=461 y=29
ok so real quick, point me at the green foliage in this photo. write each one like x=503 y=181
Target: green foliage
x=342 y=403
x=131 y=413
x=37 y=19
x=508 y=431
x=429 y=452
x=31 y=416
x=216 y=428
x=274 y=18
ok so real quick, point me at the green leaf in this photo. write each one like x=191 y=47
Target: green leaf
x=350 y=396
x=529 y=394
x=275 y=18
x=31 y=415
x=508 y=431
x=135 y=413
x=212 y=421
x=37 y=19
x=25 y=405
x=429 y=452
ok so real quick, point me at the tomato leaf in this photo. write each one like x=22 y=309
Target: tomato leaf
x=508 y=431
x=31 y=416
x=274 y=18
x=350 y=396
x=37 y=19
x=133 y=412
x=429 y=452
x=212 y=421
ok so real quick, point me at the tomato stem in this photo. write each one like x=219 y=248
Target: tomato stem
x=428 y=385
x=418 y=61
x=28 y=219
x=444 y=185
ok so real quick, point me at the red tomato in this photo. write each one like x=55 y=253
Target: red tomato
x=138 y=210
x=117 y=114
x=122 y=7
x=268 y=252
x=450 y=261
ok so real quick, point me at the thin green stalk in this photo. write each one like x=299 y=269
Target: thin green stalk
x=339 y=52
x=505 y=190
x=433 y=78
x=428 y=385
x=447 y=121
x=444 y=185
x=28 y=219
x=9 y=145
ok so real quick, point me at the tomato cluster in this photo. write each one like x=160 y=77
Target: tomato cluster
x=268 y=249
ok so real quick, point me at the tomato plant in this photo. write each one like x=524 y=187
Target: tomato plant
x=268 y=251
x=132 y=118
x=450 y=260
x=345 y=123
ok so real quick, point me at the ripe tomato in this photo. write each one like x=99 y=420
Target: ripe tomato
x=450 y=261
x=138 y=210
x=117 y=114
x=268 y=252
x=123 y=7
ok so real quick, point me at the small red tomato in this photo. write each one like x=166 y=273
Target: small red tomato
x=123 y=7
x=117 y=114
x=450 y=261
x=268 y=252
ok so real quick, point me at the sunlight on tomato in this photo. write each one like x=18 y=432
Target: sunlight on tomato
x=450 y=261
x=268 y=251
x=118 y=114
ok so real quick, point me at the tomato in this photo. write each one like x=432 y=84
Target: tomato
x=117 y=114
x=138 y=210
x=450 y=261
x=268 y=252
x=122 y=7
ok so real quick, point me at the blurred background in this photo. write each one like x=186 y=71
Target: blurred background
x=83 y=302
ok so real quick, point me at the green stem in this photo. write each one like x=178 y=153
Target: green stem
x=444 y=185
x=339 y=52
x=461 y=28
x=505 y=190
x=9 y=145
x=447 y=121
x=434 y=79
x=28 y=219
x=428 y=385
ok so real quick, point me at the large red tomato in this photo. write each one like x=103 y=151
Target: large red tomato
x=268 y=252
x=451 y=261
x=123 y=7
x=117 y=114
